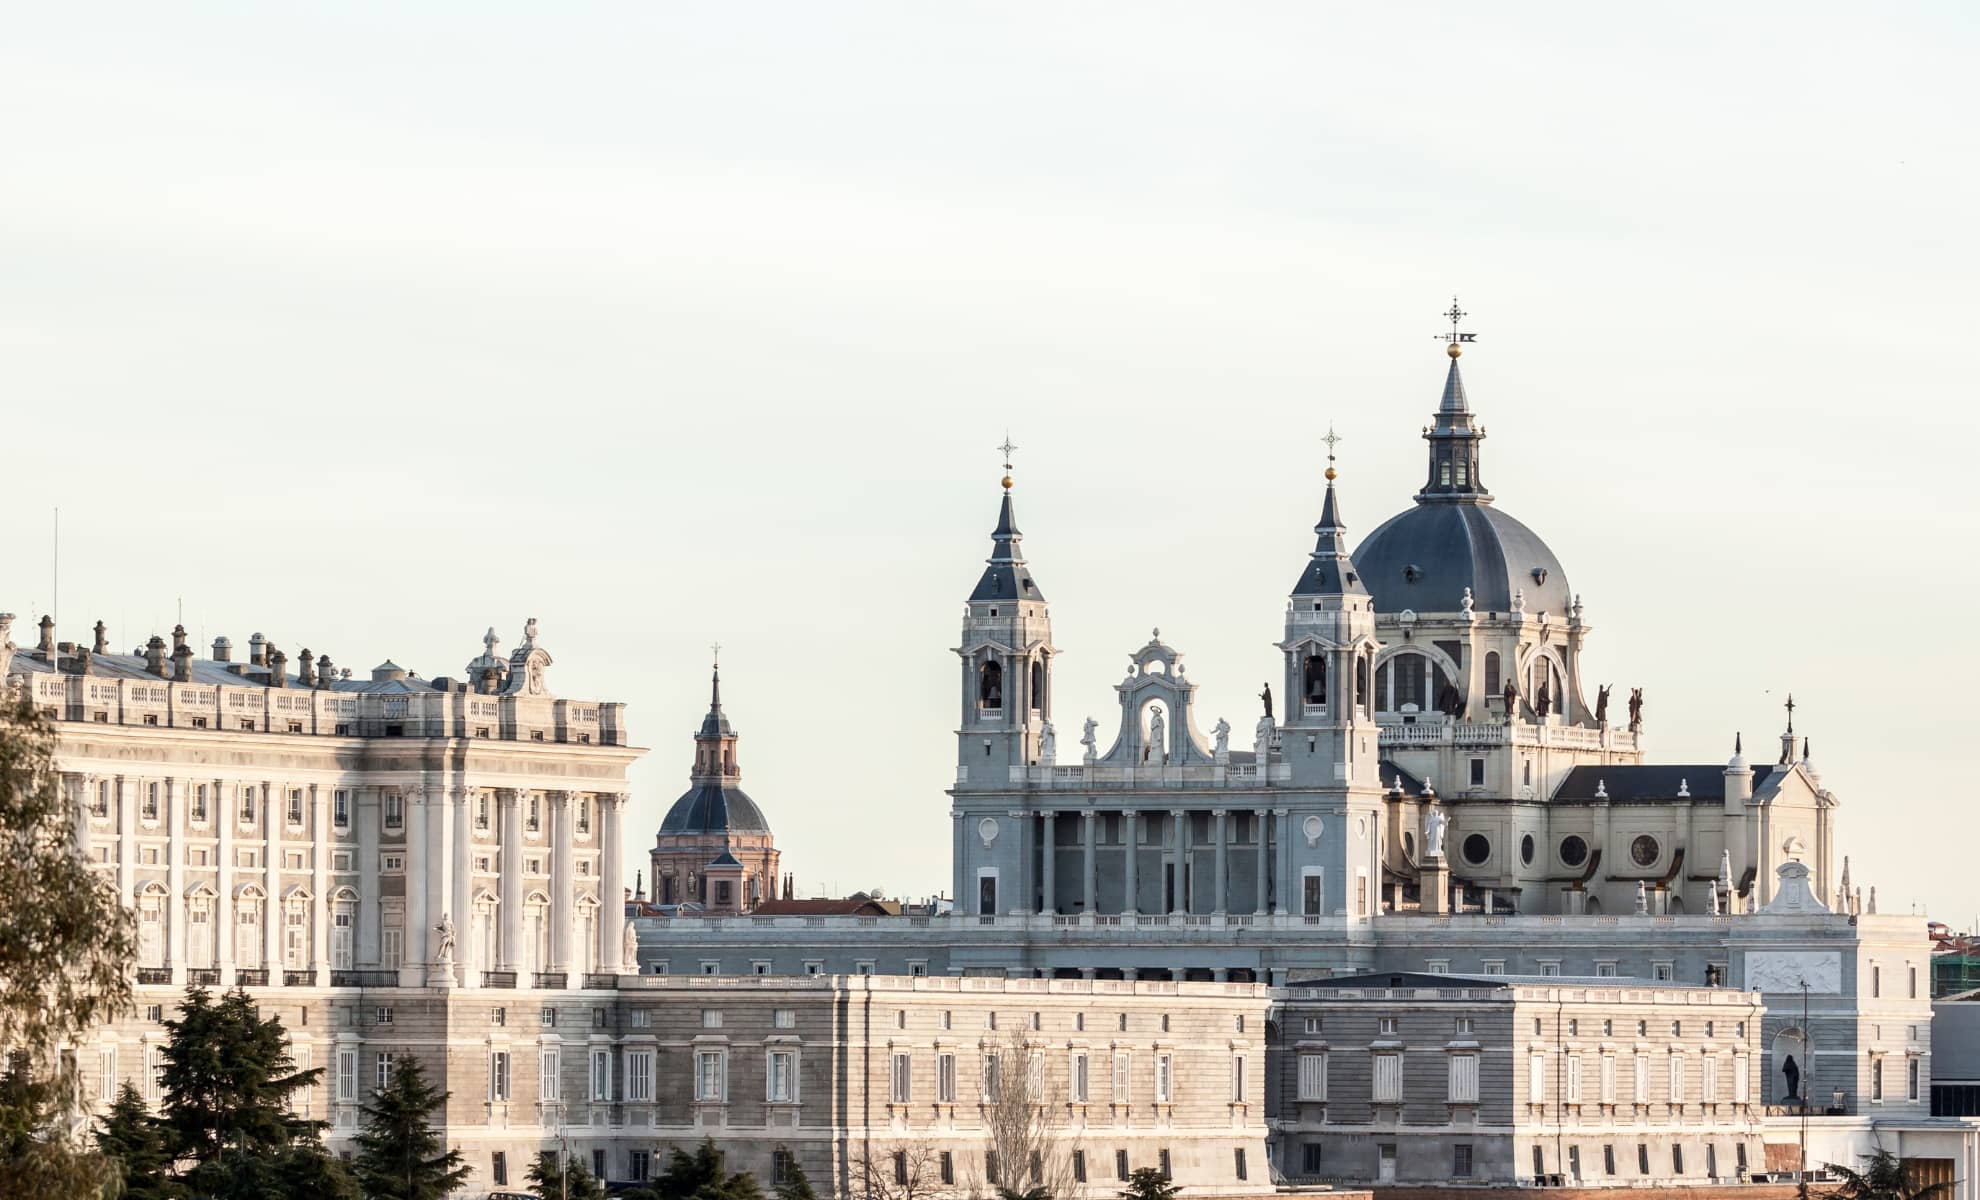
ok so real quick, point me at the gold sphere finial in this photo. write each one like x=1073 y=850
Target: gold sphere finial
x=1454 y=350
x=1007 y=483
x=1330 y=474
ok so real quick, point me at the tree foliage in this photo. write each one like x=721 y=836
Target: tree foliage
x=796 y=1185
x=399 y=1155
x=1148 y=1183
x=1885 y=1176
x=39 y=1160
x=553 y=1178
x=702 y=1176
x=134 y=1143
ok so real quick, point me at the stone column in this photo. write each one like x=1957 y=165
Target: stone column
x=81 y=791
x=1090 y=883
x=563 y=828
x=1223 y=854
x=1284 y=819
x=1048 y=842
x=120 y=792
x=508 y=804
x=439 y=902
x=370 y=906
x=221 y=813
x=271 y=861
x=412 y=972
x=175 y=883
x=1179 y=853
x=1128 y=906
x=1258 y=831
x=461 y=843
x=612 y=884
x=1022 y=896
x=320 y=842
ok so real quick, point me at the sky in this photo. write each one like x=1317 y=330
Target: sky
x=370 y=326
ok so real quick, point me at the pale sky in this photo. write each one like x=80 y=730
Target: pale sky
x=369 y=326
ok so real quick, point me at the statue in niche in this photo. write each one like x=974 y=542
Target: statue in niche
x=1635 y=709
x=1158 y=732
x=1791 y=1071
x=1266 y=696
x=1221 y=733
x=1512 y=701
x=1434 y=824
x=1450 y=701
x=629 y=947
x=1090 y=739
x=1543 y=700
x=1602 y=705
x=1048 y=745
x=444 y=951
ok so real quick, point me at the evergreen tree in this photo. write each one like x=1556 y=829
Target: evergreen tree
x=399 y=1156
x=1148 y=1183
x=796 y=1185
x=701 y=1176
x=130 y=1137
x=1885 y=1176
x=38 y=1158
x=568 y=1180
x=227 y=1078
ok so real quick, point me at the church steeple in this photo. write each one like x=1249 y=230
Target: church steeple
x=1331 y=571
x=715 y=741
x=1006 y=577
x=1454 y=438
x=1006 y=655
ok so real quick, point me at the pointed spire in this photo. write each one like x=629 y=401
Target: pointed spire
x=1454 y=439
x=716 y=724
x=1454 y=402
x=1331 y=571
x=1006 y=577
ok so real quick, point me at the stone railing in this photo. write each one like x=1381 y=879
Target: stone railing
x=154 y=975
x=1193 y=775
x=1475 y=733
x=551 y=979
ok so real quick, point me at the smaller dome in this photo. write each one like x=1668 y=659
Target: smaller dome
x=712 y=808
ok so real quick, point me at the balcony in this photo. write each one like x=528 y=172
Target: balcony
x=299 y=978
x=364 y=979
x=552 y=979
x=251 y=977
x=204 y=976
x=154 y=975
x=498 y=979
x=607 y=982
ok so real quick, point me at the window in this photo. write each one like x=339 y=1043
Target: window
x=247 y=804
x=1677 y=1028
x=1876 y=981
x=1164 y=1079
x=1460 y=1160
x=1121 y=1165
x=1536 y=1079
x=1122 y=1079
x=383 y=1072
x=1661 y=971
x=640 y=1018
x=1237 y=1079
x=639 y=1076
x=1709 y=1026
x=598 y=1018
x=383 y=1016
x=1477 y=780
x=498 y=1076
x=1076 y=1079
x=498 y=1167
x=1677 y=1160
x=1574 y=1027
x=1608 y=1079
x=1312 y=1025
x=1313 y=1078
x=1743 y=1080
x=395 y=811
x=151 y=802
x=1162 y=1163
x=601 y=1075
x=1388 y=1079
x=711 y=1018
x=1386 y=1026
x=948 y=1167
x=1608 y=1028
x=1911 y=1079
x=781 y=1080
x=295 y=803
x=900 y=1167
x=781 y=1162
x=1677 y=1079
x=1550 y=968
x=347 y=1075
x=1571 y=1079
x=550 y=1079
x=1608 y=1160
x=945 y=1078
x=786 y=1018
x=199 y=803
x=1876 y=1081
x=901 y=1085
x=1464 y=1079
x=1239 y=1164
x=1640 y=1080
x=1642 y=1158
x=1708 y=1081
x=710 y=1076
x=1912 y=981
x=549 y=1018
x=1309 y=1158
x=1462 y=1025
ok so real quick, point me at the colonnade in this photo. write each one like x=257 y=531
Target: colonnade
x=1270 y=848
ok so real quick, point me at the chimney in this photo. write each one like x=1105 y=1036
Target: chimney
x=325 y=672
x=154 y=656
x=102 y=645
x=182 y=657
x=258 y=651
x=178 y=636
x=223 y=650
x=278 y=668
x=306 y=668
x=47 y=646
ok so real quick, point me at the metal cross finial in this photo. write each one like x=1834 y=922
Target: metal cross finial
x=1007 y=448
x=715 y=648
x=1790 y=712
x=1456 y=315
x=1332 y=439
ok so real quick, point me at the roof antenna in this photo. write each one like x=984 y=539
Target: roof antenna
x=55 y=605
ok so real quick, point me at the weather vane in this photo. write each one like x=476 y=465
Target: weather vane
x=1332 y=439
x=1454 y=316
x=1008 y=447
x=715 y=648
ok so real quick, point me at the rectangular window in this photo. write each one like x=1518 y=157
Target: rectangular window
x=1876 y=981
x=989 y=1078
x=1571 y=1079
x=781 y=1162
x=1876 y=1081
x=1313 y=1078
x=1122 y=1079
x=295 y=806
x=395 y=811
x=639 y=1076
x=948 y=1162
x=247 y=804
x=601 y=1075
x=1536 y=1079
x=1386 y=1025
x=498 y=1168
x=1912 y=985
x=1677 y=1160
x=383 y=1073
x=1076 y=1079
x=945 y=1078
x=1461 y=1160
x=1464 y=1079
x=901 y=1088
x=710 y=1077
x=1164 y=1079
x=498 y=1076
x=1239 y=1164
x=1742 y=1080
x=1608 y=1081
x=1708 y=1081
x=1120 y=1165
x=347 y=1076
x=1642 y=1158
x=1309 y=1158
x=781 y=1080
x=1162 y=1163
x=1388 y=1079
x=1640 y=1082
x=106 y=1084
x=340 y=809
x=1237 y=1079
x=1911 y=1079
x=1079 y=1166
x=549 y=1081
x=1677 y=1079
x=1608 y=1160
x=383 y=1015
x=1312 y=1025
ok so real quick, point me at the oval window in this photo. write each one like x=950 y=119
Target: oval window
x=1526 y=849
x=1644 y=850
x=1574 y=851
x=1409 y=845
x=1477 y=848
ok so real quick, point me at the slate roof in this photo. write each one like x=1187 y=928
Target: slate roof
x=207 y=671
x=713 y=808
x=1653 y=781
x=1453 y=546
x=1006 y=577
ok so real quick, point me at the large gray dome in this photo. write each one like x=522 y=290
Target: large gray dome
x=1424 y=557
x=713 y=808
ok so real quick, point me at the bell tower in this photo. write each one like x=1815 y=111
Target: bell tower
x=1006 y=661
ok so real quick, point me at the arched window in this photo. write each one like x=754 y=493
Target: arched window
x=990 y=685
x=1444 y=473
x=1409 y=682
x=1461 y=472
x=1037 y=685
x=1314 y=685
x=1492 y=673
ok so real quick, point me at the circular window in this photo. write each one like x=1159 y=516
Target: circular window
x=1477 y=848
x=1526 y=850
x=1574 y=851
x=1644 y=850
